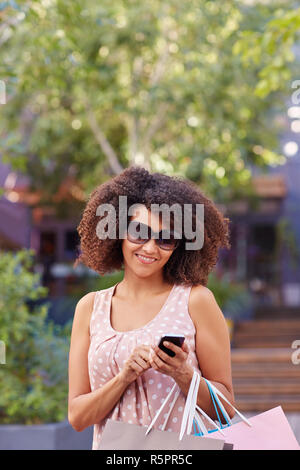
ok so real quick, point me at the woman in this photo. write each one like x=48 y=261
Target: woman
x=116 y=369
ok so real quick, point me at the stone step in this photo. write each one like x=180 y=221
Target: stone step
x=253 y=373
x=264 y=378
x=262 y=344
x=260 y=403
x=270 y=313
x=267 y=333
x=257 y=355
x=257 y=325
x=269 y=389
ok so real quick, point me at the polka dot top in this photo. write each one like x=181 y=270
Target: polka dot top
x=109 y=349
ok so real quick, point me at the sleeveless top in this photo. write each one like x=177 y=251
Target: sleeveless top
x=109 y=349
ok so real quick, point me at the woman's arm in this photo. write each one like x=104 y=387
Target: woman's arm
x=86 y=408
x=212 y=344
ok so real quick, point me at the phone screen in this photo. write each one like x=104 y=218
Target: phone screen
x=175 y=339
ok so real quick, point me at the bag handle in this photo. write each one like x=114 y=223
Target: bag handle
x=160 y=410
x=192 y=409
x=170 y=410
x=215 y=400
x=214 y=392
x=190 y=405
x=211 y=421
x=189 y=409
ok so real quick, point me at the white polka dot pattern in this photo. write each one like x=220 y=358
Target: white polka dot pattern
x=109 y=349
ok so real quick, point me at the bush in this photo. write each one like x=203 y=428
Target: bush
x=34 y=379
x=233 y=298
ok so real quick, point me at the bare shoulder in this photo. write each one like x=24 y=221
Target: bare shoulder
x=200 y=295
x=87 y=299
x=203 y=307
x=84 y=309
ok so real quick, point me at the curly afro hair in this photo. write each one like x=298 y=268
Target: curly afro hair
x=186 y=267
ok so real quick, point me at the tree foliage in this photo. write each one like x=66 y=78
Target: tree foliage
x=190 y=88
x=34 y=378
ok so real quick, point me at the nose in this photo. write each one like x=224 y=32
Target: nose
x=150 y=247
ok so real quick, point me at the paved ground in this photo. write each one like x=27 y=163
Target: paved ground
x=293 y=419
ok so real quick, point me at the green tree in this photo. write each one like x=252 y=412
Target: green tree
x=271 y=50
x=97 y=86
x=34 y=378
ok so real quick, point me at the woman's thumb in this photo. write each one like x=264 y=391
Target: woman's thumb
x=185 y=347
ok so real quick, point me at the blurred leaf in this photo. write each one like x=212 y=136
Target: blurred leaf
x=34 y=379
x=165 y=84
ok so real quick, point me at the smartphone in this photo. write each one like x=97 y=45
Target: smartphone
x=175 y=339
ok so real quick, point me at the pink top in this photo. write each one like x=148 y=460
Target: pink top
x=110 y=348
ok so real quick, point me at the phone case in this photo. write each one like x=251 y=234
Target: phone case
x=175 y=339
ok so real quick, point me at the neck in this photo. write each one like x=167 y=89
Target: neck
x=137 y=288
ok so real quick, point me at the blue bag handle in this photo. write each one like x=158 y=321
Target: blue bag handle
x=197 y=433
x=214 y=400
x=214 y=392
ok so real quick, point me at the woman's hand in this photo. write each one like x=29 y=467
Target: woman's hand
x=136 y=364
x=173 y=366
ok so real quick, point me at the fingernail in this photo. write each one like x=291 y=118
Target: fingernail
x=166 y=343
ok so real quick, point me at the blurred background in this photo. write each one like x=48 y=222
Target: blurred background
x=208 y=90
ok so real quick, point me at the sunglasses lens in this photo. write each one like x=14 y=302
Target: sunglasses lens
x=167 y=244
x=167 y=241
x=135 y=233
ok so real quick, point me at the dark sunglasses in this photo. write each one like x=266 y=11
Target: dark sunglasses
x=140 y=233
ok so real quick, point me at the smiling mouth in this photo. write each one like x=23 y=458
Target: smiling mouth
x=145 y=259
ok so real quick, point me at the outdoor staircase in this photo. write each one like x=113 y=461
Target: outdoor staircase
x=266 y=333
x=264 y=375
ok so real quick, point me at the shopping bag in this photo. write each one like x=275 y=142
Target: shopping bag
x=269 y=430
x=119 y=435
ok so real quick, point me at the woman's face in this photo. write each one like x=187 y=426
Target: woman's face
x=133 y=251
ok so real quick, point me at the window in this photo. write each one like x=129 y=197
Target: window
x=71 y=243
x=48 y=244
x=262 y=251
